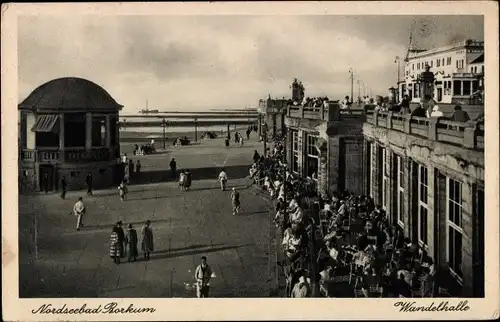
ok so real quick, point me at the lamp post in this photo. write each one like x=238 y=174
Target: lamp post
x=196 y=129
x=397 y=61
x=359 y=90
x=264 y=136
x=351 y=73
x=164 y=125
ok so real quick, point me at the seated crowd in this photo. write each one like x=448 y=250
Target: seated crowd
x=354 y=242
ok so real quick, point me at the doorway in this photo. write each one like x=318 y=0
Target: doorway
x=49 y=180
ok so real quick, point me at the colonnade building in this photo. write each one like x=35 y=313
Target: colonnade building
x=68 y=127
x=429 y=176
x=326 y=146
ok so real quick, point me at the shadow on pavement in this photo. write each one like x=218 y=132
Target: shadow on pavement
x=262 y=212
x=233 y=172
x=163 y=251
x=196 y=252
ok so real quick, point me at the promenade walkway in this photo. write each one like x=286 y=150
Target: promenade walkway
x=187 y=225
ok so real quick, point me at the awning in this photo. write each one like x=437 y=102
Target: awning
x=46 y=123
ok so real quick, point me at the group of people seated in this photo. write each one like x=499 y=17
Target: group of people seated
x=290 y=193
x=429 y=108
x=144 y=149
x=311 y=102
x=360 y=246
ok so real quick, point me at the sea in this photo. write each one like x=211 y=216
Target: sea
x=155 y=131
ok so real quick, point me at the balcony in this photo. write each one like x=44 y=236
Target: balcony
x=329 y=114
x=469 y=135
x=68 y=155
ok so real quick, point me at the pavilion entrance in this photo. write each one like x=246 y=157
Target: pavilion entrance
x=50 y=180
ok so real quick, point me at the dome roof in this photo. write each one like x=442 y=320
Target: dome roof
x=70 y=93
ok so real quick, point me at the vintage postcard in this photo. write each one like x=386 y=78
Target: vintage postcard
x=250 y=161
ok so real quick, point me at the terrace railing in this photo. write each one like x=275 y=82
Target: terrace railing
x=469 y=135
x=330 y=113
x=70 y=155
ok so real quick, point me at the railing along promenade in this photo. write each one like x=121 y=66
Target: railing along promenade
x=71 y=155
x=469 y=135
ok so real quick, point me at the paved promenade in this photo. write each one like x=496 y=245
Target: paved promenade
x=187 y=225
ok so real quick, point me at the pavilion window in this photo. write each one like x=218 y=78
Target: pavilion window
x=423 y=210
x=295 y=151
x=457 y=87
x=475 y=85
x=466 y=88
x=98 y=127
x=46 y=130
x=454 y=230
x=401 y=191
x=312 y=157
x=47 y=139
x=385 y=179
x=74 y=130
x=369 y=174
x=112 y=130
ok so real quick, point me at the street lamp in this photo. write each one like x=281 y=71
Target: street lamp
x=164 y=125
x=397 y=61
x=351 y=72
x=264 y=136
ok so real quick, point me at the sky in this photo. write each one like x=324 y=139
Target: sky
x=195 y=63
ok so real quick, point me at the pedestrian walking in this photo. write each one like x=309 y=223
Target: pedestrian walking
x=235 y=198
x=88 y=180
x=248 y=133
x=79 y=211
x=121 y=238
x=114 y=245
x=173 y=168
x=138 y=167
x=223 y=179
x=46 y=183
x=131 y=241
x=203 y=274
x=187 y=179
x=182 y=180
x=126 y=176
x=123 y=190
x=131 y=170
x=63 y=187
x=147 y=239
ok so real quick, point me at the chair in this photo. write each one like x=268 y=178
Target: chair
x=443 y=291
x=359 y=293
x=417 y=292
x=356 y=268
x=377 y=291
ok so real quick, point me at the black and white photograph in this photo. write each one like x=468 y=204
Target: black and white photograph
x=196 y=155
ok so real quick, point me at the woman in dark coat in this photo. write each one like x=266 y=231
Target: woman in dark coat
x=131 y=241
x=187 y=183
x=147 y=239
x=121 y=238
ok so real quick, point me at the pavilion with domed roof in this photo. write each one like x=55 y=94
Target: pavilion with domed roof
x=68 y=127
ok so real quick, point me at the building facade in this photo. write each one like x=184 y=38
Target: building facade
x=272 y=112
x=457 y=69
x=429 y=176
x=68 y=127
x=326 y=146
